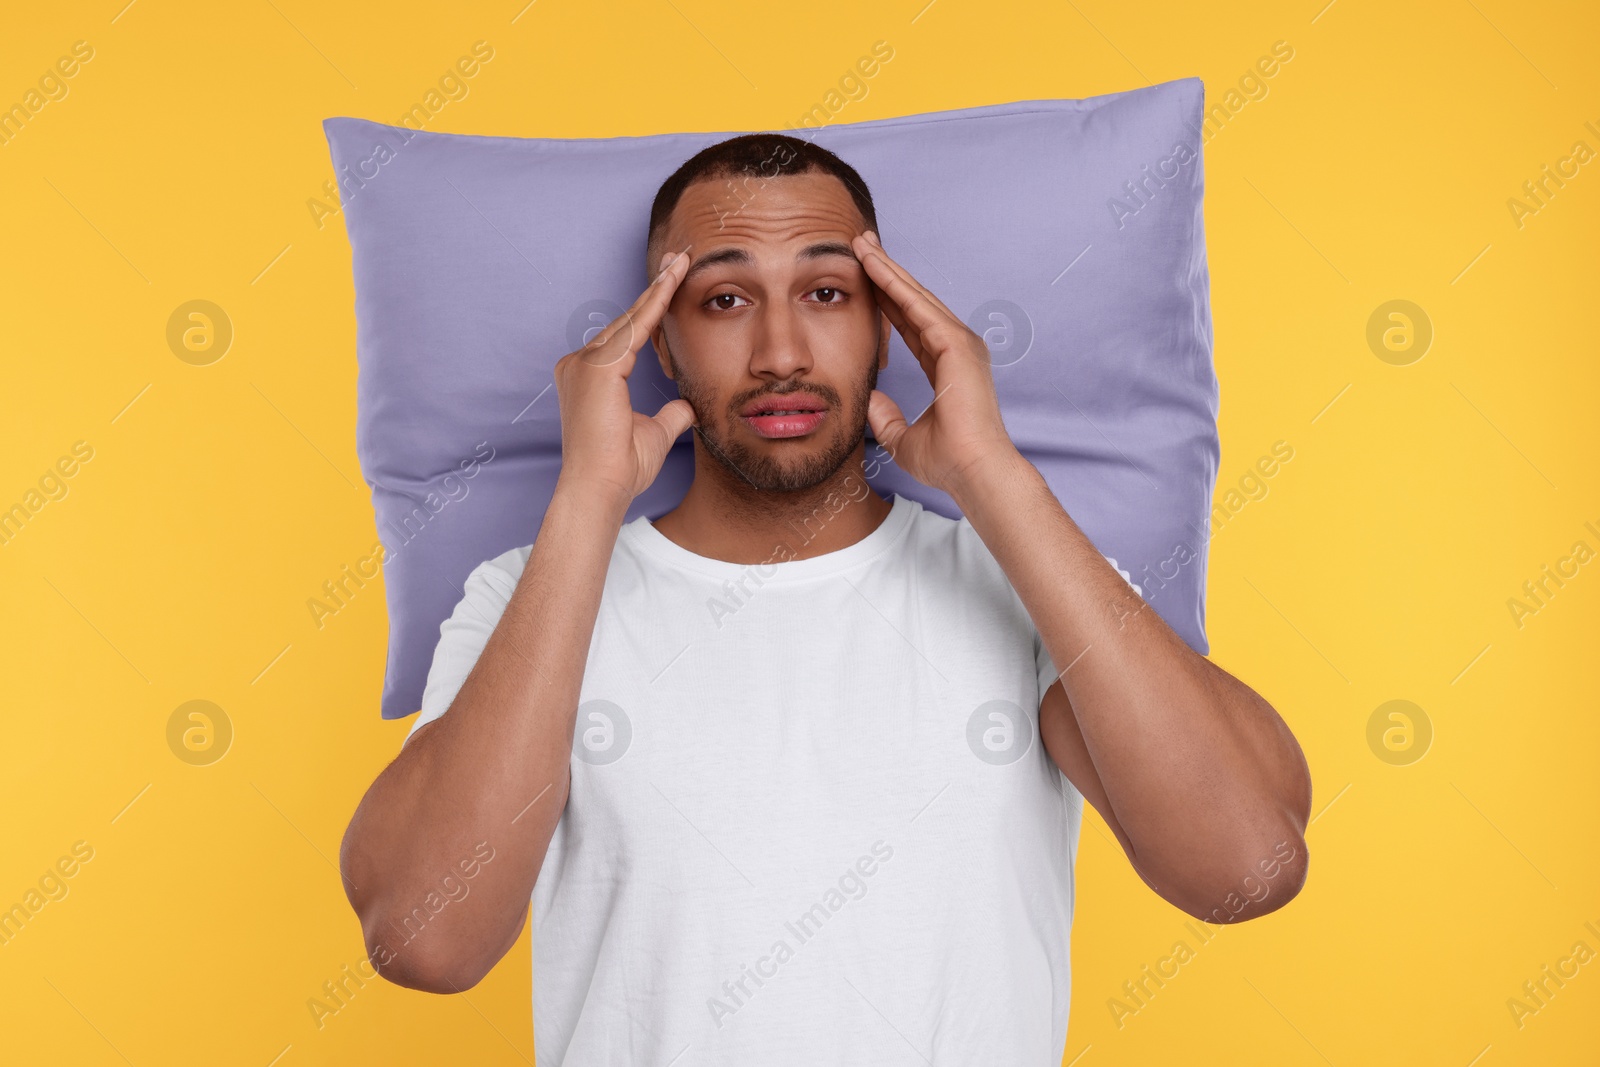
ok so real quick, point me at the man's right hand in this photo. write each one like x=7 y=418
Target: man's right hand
x=605 y=444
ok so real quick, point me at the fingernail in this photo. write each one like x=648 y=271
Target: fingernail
x=873 y=237
x=665 y=259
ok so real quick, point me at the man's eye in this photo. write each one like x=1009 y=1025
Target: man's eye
x=830 y=295
x=724 y=296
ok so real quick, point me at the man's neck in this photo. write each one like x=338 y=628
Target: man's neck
x=724 y=517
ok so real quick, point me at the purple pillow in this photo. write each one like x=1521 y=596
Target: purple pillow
x=1068 y=233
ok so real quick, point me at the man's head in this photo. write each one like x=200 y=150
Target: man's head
x=775 y=304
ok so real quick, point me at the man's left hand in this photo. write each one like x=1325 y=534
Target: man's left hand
x=961 y=434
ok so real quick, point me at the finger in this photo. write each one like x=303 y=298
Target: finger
x=888 y=422
x=897 y=267
x=888 y=305
x=665 y=428
x=915 y=309
x=877 y=250
x=908 y=330
x=909 y=333
x=626 y=334
x=675 y=417
x=895 y=314
x=651 y=305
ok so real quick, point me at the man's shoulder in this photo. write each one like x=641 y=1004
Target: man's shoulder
x=939 y=541
x=502 y=572
x=943 y=541
x=930 y=523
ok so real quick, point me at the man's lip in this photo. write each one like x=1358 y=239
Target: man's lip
x=796 y=402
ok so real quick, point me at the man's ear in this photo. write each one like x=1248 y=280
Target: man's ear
x=885 y=328
x=658 y=339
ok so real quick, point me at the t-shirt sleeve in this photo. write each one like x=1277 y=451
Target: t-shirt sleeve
x=1048 y=672
x=462 y=637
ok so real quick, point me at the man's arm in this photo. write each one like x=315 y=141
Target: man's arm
x=1200 y=779
x=494 y=768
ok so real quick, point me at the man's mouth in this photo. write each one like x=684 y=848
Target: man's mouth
x=782 y=416
x=786 y=404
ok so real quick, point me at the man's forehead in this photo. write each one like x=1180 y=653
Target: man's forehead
x=789 y=208
x=736 y=255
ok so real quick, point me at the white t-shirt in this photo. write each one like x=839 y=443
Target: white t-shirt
x=811 y=819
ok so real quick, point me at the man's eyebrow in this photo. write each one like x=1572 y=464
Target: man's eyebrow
x=712 y=259
x=823 y=249
x=738 y=256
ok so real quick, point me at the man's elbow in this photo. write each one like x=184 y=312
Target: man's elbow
x=430 y=978
x=1261 y=882
x=413 y=967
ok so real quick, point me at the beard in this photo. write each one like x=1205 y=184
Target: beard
x=802 y=465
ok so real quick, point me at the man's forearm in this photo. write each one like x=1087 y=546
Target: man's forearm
x=1204 y=777
x=494 y=768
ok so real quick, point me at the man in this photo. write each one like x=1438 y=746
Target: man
x=790 y=772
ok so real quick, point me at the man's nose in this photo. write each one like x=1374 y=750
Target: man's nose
x=780 y=347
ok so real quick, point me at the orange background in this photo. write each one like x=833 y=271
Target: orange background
x=1425 y=488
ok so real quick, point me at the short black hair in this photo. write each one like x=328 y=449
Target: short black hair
x=757 y=156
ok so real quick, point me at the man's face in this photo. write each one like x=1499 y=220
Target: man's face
x=774 y=305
